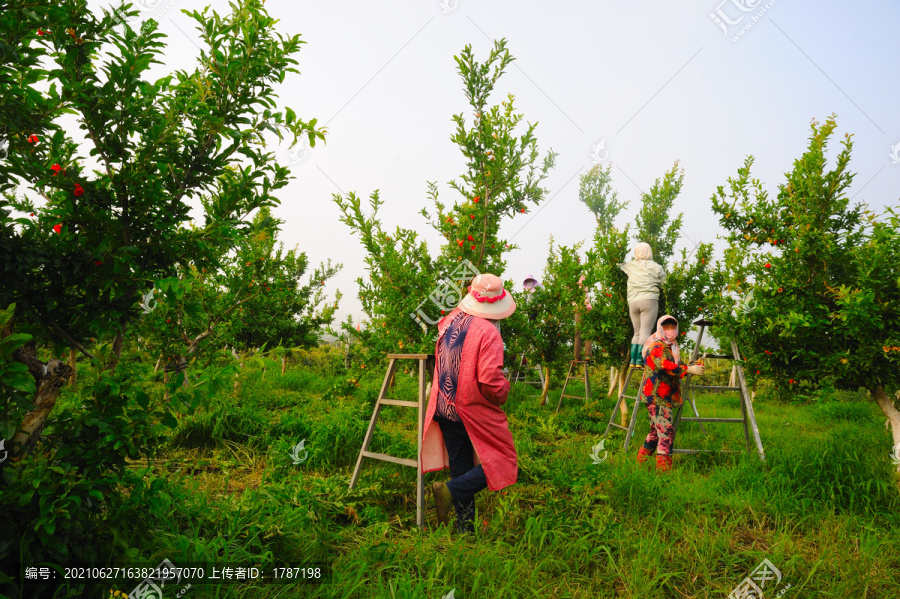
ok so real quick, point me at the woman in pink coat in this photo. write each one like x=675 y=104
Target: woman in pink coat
x=465 y=427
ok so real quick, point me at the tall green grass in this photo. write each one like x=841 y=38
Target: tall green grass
x=823 y=507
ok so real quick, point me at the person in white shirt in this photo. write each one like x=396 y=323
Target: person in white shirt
x=645 y=281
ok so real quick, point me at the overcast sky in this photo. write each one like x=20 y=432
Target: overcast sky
x=655 y=82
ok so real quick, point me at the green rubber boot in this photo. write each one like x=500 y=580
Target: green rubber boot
x=640 y=356
x=635 y=354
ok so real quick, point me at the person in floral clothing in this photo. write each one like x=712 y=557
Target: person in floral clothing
x=662 y=390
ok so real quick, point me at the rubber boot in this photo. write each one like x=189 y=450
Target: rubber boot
x=639 y=356
x=643 y=455
x=663 y=463
x=442 y=501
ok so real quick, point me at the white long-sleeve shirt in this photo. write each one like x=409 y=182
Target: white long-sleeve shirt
x=643 y=283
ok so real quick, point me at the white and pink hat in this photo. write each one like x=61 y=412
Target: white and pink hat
x=487 y=298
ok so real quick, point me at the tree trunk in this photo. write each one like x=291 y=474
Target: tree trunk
x=74 y=378
x=890 y=411
x=546 y=388
x=237 y=380
x=283 y=365
x=578 y=336
x=587 y=350
x=50 y=379
x=158 y=363
x=118 y=345
x=623 y=407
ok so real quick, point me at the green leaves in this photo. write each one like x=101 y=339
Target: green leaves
x=654 y=223
x=159 y=143
x=824 y=286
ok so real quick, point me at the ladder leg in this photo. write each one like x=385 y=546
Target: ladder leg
x=420 y=477
x=612 y=416
x=696 y=351
x=566 y=384
x=617 y=407
x=634 y=413
x=744 y=418
x=619 y=401
x=519 y=368
x=675 y=422
x=368 y=438
x=587 y=384
x=745 y=401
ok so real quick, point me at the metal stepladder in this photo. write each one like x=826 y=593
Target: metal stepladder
x=637 y=404
x=569 y=377
x=421 y=405
x=514 y=378
x=748 y=416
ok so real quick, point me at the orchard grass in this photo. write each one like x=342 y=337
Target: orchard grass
x=824 y=508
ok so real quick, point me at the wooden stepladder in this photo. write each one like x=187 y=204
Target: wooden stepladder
x=748 y=416
x=521 y=368
x=569 y=377
x=421 y=405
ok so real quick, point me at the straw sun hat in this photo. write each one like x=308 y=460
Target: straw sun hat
x=487 y=298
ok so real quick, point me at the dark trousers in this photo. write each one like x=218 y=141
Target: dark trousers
x=466 y=480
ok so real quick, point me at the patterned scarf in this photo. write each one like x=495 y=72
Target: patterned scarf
x=659 y=335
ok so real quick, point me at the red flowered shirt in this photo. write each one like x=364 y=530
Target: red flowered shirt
x=663 y=386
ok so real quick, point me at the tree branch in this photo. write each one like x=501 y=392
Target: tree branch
x=74 y=343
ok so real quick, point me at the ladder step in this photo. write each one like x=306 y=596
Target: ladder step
x=575 y=396
x=716 y=387
x=624 y=428
x=627 y=397
x=389 y=458
x=399 y=402
x=717 y=357
x=692 y=419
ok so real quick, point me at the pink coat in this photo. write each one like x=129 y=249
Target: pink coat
x=481 y=390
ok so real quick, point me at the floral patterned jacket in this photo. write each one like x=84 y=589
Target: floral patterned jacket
x=663 y=386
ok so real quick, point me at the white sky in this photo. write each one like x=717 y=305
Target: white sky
x=657 y=81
